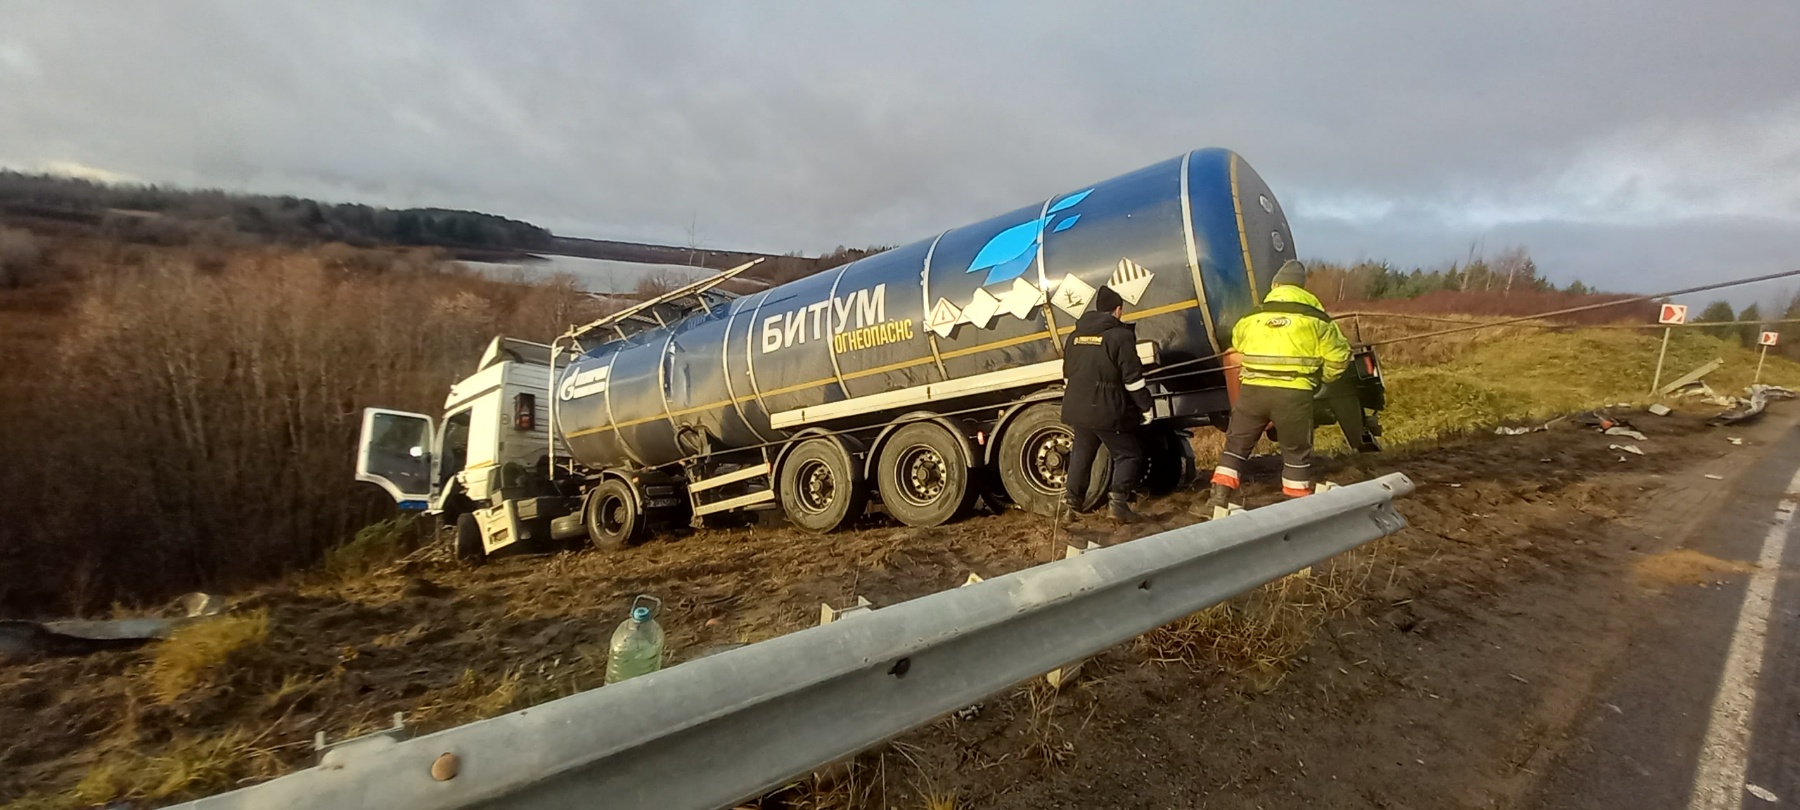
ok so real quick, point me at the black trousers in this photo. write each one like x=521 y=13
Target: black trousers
x=1127 y=459
x=1291 y=411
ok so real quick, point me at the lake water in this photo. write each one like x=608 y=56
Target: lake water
x=592 y=275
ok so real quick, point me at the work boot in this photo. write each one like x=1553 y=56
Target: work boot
x=1068 y=515
x=1218 y=504
x=1119 y=506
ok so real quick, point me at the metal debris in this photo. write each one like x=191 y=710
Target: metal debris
x=1627 y=433
x=1756 y=398
x=1628 y=448
x=1659 y=409
x=80 y=636
x=199 y=604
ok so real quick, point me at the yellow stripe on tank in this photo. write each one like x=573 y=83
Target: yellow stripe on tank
x=1243 y=238
x=1001 y=344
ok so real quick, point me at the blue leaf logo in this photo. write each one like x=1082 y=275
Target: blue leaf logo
x=1010 y=252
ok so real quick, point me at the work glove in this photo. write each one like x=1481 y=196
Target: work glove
x=1147 y=417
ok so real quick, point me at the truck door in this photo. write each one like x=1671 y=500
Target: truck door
x=395 y=453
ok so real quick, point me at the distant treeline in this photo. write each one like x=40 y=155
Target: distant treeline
x=211 y=215
x=169 y=217
x=1511 y=271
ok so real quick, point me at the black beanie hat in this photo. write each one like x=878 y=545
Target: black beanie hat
x=1106 y=300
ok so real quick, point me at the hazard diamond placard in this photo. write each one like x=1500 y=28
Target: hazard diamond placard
x=1673 y=314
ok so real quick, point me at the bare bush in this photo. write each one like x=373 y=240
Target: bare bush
x=197 y=428
x=20 y=259
x=653 y=285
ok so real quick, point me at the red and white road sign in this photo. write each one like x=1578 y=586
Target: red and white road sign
x=1769 y=339
x=1673 y=314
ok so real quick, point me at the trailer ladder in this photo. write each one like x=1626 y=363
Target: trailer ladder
x=661 y=310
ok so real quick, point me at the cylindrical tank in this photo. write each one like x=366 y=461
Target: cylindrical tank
x=1190 y=243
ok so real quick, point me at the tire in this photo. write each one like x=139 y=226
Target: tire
x=1034 y=457
x=1169 y=463
x=468 y=540
x=923 y=476
x=614 y=517
x=993 y=493
x=820 y=486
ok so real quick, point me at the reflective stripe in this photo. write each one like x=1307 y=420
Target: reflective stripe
x=1135 y=386
x=1295 y=493
x=1279 y=360
x=1289 y=483
x=1226 y=476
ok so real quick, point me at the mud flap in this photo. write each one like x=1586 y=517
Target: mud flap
x=1169 y=464
x=1360 y=430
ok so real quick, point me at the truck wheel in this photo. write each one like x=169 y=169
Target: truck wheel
x=923 y=478
x=468 y=540
x=1169 y=462
x=1034 y=461
x=614 y=518
x=820 y=486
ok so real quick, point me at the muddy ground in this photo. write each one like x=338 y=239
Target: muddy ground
x=1437 y=668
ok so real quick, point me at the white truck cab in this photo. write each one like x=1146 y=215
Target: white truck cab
x=491 y=446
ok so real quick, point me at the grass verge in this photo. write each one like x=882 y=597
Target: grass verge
x=197 y=653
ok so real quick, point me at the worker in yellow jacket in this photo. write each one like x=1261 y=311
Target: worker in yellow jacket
x=1287 y=348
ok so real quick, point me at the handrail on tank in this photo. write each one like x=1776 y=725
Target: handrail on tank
x=644 y=312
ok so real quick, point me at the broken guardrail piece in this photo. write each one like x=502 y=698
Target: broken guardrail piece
x=1692 y=376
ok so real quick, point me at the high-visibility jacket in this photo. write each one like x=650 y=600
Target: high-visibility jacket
x=1289 y=342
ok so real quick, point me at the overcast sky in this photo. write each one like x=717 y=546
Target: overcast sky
x=1635 y=145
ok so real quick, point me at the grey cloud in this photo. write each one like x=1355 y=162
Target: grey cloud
x=1401 y=130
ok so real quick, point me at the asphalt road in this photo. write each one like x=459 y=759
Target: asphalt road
x=1704 y=709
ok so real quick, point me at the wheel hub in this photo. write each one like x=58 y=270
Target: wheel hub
x=816 y=487
x=613 y=514
x=926 y=474
x=1050 y=462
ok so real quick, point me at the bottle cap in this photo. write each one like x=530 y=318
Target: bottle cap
x=640 y=614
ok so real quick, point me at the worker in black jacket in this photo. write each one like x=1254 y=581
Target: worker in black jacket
x=1105 y=401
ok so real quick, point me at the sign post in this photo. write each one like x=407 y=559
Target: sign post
x=1672 y=315
x=1766 y=340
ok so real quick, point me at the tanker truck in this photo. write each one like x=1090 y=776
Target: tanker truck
x=923 y=379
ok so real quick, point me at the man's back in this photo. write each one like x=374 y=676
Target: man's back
x=1099 y=363
x=1290 y=342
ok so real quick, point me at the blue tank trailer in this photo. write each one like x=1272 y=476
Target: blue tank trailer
x=927 y=376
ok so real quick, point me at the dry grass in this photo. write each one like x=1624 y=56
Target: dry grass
x=185 y=768
x=941 y=801
x=1259 y=633
x=473 y=697
x=196 y=653
x=375 y=545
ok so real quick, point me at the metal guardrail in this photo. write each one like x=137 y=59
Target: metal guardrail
x=731 y=726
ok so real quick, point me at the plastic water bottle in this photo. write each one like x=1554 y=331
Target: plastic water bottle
x=637 y=645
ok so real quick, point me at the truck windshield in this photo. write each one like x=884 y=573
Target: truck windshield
x=455 y=447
